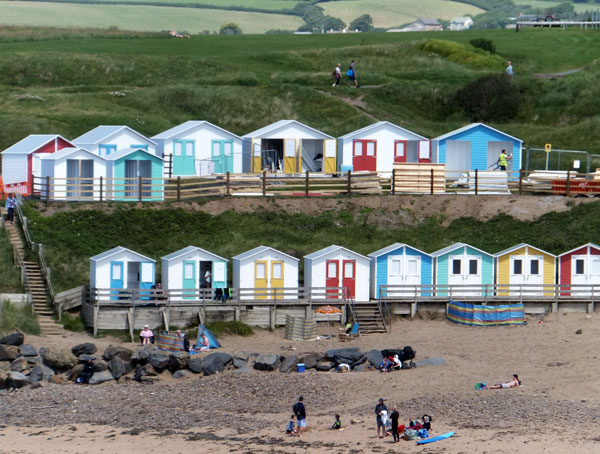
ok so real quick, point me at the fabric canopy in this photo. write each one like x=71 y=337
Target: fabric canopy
x=212 y=340
x=479 y=315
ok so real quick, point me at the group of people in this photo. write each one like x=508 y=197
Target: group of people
x=351 y=73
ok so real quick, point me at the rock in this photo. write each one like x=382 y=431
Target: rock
x=4 y=366
x=101 y=377
x=243 y=369
x=40 y=373
x=84 y=349
x=119 y=367
x=8 y=352
x=27 y=350
x=37 y=384
x=85 y=358
x=288 y=364
x=19 y=365
x=100 y=366
x=142 y=354
x=226 y=358
x=356 y=421
x=359 y=368
x=310 y=361
x=267 y=362
x=178 y=360
x=242 y=356
x=195 y=364
x=325 y=367
x=57 y=379
x=16 y=380
x=59 y=359
x=180 y=374
x=73 y=374
x=14 y=339
x=159 y=360
x=344 y=355
x=374 y=357
x=212 y=364
x=42 y=351
x=239 y=363
x=145 y=370
x=430 y=362
x=117 y=350
x=579 y=331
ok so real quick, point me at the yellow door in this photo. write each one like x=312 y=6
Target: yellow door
x=290 y=156
x=277 y=276
x=256 y=157
x=329 y=163
x=261 y=280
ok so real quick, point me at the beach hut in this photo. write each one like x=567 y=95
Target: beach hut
x=21 y=161
x=579 y=267
x=377 y=147
x=401 y=265
x=265 y=268
x=336 y=266
x=289 y=146
x=193 y=268
x=197 y=148
x=132 y=170
x=525 y=265
x=107 y=139
x=462 y=265
x=72 y=174
x=476 y=147
x=121 y=268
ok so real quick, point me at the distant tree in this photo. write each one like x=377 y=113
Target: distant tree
x=230 y=29
x=333 y=23
x=305 y=28
x=362 y=23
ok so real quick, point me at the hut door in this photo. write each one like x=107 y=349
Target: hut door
x=183 y=157
x=222 y=156
x=277 y=275
x=116 y=278
x=349 y=277
x=261 y=280
x=329 y=164
x=395 y=275
x=535 y=275
x=400 y=151
x=364 y=156
x=290 y=156
x=412 y=270
x=332 y=278
x=189 y=278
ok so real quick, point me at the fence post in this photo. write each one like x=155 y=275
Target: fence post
x=227 y=184
x=568 y=188
x=521 y=182
x=431 y=178
x=393 y=181
x=476 y=181
x=139 y=189
x=264 y=183
x=349 y=185
x=100 y=188
x=179 y=188
x=306 y=184
x=47 y=188
x=171 y=165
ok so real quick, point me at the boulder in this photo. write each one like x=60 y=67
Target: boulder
x=212 y=364
x=144 y=370
x=16 y=380
x=159 y=360
x=180 y=374
x=4 y=366
x=8 y=352
x=84 y=349
x=242 y=356
x=58 y=379
x=83 y=358
x=267 y=362
x=101 y=377
x=119 y=367
x=375 y=357
x=142 y=354
x=178 y=360
x=40 y=373
x=344 y=355
x=14 y=339
x=239 y=363
x=73 y=374
x=59 y=359
x=19 y=365
x=310 y=361
x=117 y=350
x=195 y=364
x=226 y=358
x=325 y=367
x=288 y=364
x=359 y=361
x=359 y=368
x=100 y=366
x=27 y=350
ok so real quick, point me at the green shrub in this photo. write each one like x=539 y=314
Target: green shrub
x=484 y=44
x=9 y=274
x=463 y=54
x=21 y=319
x=73 y=322
x=236 y=328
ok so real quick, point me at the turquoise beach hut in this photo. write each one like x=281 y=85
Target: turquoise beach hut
x=124 y=170
x=400 y=264
x=464 y=267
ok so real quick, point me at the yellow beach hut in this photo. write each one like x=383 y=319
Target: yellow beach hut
x=524 y=270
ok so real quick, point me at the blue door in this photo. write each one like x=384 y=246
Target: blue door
x=116 y=278
x=189 y=278
x=146 y=279
x=222 y=156
x=184 y=155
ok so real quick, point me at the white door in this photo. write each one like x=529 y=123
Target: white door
x=395 y=275
x=412 y=270
x=535 y=274
x=465 y=272
x=517 y=274
x=585 y=273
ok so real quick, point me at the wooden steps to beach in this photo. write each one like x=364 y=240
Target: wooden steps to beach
x=369 y=318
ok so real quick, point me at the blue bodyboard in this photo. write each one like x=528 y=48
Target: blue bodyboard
x=438 y=438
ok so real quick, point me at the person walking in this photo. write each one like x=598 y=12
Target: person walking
x=380 y=408
x=509 y=70
x=300 y=411
x=351 y=73
x=503 y=160
x=11 y=205
x=337 y=73
x=395 y=416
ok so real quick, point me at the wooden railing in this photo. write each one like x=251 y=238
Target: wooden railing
x=138 y=189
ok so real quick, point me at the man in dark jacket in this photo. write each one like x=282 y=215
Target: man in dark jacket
x=379 y=409
x=300 y=412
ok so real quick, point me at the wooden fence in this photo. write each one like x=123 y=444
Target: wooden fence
x=99 y=189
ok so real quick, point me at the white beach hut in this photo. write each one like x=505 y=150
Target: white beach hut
x=107 y=139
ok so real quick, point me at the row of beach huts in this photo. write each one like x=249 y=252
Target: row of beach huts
x=364 y=277
x=199 y=148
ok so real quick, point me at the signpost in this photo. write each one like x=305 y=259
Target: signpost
x=547 y=149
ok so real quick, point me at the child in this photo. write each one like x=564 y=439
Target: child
x=291 y=426
x=385 y=365
x=337 y=424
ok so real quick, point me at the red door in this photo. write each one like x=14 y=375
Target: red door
x=332 y=278
x=400 y=151
x=349 y=276
x=364 y=155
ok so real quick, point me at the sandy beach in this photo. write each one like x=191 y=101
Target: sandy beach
x=556 y=410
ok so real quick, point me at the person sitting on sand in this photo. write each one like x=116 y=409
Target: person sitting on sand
x=291 y=426
x=337 y=424
x=204 y=343
x=385 y=365
x=514 y=383
x=146 y=336
x=86 y=373
x=395 y=363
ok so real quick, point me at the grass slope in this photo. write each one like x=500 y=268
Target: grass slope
x=9 y=275
x=543 y=5
x=141 y=18
x=70 y=238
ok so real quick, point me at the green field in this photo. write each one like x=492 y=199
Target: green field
x=143 y=18
x=261 y=4
x=390 y=13
x=542 y=5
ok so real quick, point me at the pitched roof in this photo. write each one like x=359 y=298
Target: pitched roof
x=471 y=126
x=189 y=249
x=186 y=126
x=595 y=246
x=99 y=133
x=117 y=250
x=126 y=151
x=258 y=250
x=281 y=124
x=31 y=143
x=393 y=247
x=328 y=249
x=379 y=124
x=69 y=150
x=455 y=246
x=428 y=21
x=519 y=246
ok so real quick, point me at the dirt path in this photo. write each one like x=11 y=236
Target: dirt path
x=557 y=75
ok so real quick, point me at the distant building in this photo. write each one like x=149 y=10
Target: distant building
x=460 y=23
x=429 y=24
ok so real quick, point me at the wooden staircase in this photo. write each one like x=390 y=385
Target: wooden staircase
x=35 y=284
x=369 y=318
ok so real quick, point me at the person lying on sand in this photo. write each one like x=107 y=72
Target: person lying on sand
x=514 y=383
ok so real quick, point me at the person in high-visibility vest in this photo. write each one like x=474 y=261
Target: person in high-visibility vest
x=503 y=160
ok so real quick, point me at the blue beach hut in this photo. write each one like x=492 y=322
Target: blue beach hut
x=400 y=264
x=126 y=167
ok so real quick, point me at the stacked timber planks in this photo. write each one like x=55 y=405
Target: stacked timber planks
x=419 y=178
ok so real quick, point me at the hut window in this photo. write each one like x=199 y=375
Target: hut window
x=472 y=266
x=412 y=267
x=535 y=267
x=349 y=270
x=116 y=271
x=518 y=266
x=177 y=148
x=579 y=268
x=456 y=266
x=370 y=148
x=227 y=148
x=276 y=270
x=188 y=271
x=395 y=267
x=332 y=268
x=358 y=148
x=260 y=271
